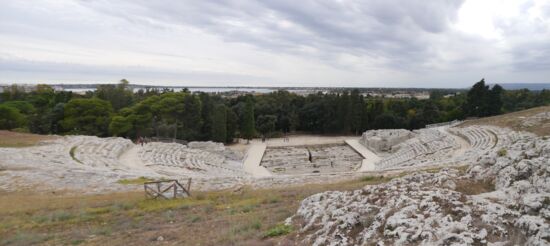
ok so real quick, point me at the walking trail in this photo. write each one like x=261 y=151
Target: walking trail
x=253 y=159
x=369 y=158
x=131 y=159
x=464 y=145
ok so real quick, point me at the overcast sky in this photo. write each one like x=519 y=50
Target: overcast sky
x=369 y=43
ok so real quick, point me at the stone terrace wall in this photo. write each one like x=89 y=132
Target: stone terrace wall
x=384 y=140
x=311 y=159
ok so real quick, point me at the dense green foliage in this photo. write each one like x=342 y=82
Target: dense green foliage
x=248 y=119
x=114 y=110
x=483 y=101
x=219 y=123
x=87 y=116
x=10 y=117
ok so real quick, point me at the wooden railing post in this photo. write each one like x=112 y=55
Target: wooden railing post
x=160 y=191
x=189 y=186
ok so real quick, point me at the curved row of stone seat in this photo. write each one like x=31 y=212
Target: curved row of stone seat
x=98 y=152
x=51 y=151
x=479 y=137
x=504 y=136
x=485 y=138
x=426 y=147
x=197 y=161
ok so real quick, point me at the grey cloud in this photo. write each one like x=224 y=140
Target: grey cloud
x=79 y=72
x=398 y=30
x=528 y=39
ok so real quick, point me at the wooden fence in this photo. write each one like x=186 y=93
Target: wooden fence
x=166 y=189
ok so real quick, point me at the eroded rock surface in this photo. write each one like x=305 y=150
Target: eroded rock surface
x=503 y=199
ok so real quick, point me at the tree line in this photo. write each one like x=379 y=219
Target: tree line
x=115 y=110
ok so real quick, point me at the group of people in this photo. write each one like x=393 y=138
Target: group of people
x=286 y=139
x=141 y=141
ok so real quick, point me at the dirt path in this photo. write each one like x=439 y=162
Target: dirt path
x=370 y=158
x=131 y=159
x=464 y=145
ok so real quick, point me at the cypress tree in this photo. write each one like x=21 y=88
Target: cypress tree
x=232 y=125
x=477 y=100
x=248 y=124
x=495 y=100
x=219 y=123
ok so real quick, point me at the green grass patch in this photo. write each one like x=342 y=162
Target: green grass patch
x=61 y=216
x=98 y=211
x=278 y=230
x=234 y=203
x=123 y=206
x=195 y=218
x=157 y=205
x=72 y=153
x=103 y=231
x=77 y=241
x=375 y=179
x=246 y=229
x=370 y=178
x=502 y=152
x=272 y=200
x=433 y=170
x=136 y=181
x=57 y=216
x=25 y=239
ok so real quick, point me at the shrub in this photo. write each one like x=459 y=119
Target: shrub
x=72 y=153
x=502 y=152
x=278 y=230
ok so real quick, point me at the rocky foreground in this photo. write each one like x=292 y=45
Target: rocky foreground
x=502 y=199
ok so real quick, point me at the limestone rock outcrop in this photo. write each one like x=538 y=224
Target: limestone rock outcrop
x=503 y=198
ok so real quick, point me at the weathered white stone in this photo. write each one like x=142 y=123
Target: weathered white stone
x=384 y=140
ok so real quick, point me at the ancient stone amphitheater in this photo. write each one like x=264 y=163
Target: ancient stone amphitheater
x=441 y=207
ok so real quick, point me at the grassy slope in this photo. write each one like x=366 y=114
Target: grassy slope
x=240 y=217
x=16 y=139
x=513 y=121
